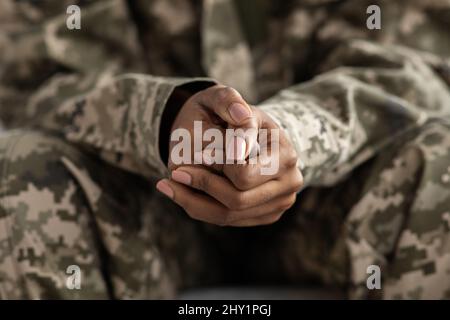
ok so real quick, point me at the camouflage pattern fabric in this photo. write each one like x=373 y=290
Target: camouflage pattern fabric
x=367 y=110
x=57 y=205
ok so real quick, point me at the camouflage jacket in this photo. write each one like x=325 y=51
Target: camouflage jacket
x=341 y=91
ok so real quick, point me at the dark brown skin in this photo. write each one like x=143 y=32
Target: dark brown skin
x=232 y=194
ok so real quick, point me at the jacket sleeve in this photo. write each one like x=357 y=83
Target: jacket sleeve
x=80 y=84
x=368 y=96
x=125 y=119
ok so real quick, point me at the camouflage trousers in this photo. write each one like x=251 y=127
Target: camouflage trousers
x=61 y=206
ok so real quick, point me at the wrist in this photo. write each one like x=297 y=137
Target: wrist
x=173 y=106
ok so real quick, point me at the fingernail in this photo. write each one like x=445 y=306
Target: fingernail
x=240 y=148
x=181 y=177
x=164 y=188
x=236 y=149
x=238 y=112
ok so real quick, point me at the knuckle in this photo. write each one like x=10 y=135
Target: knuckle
x=243 y=181
x=191 y=212
x=298 y=181
x=244 y=185
x=272 y=219
x=285 y=206
x=224 y=218
x=266 y=195
x=238 y=201
x=275 y=218
x=212 y=89
x=203 y=181
x=288 y=203
x=200 y=94
x=226 y=93
x=291 y=158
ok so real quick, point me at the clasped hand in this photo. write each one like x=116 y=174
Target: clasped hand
x=234 y=191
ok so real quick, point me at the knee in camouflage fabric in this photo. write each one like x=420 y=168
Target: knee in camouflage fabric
x=61 y=207
x=46 y=225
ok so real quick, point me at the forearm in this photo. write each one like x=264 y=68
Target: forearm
x=122 y=120
x=338 y=120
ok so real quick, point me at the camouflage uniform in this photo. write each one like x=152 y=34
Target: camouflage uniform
x=368 y=112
